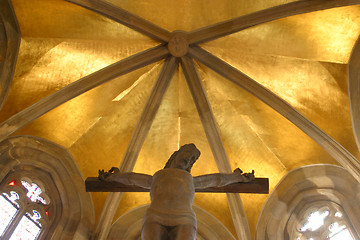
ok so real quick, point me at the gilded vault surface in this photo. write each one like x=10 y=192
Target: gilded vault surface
x=301 y=58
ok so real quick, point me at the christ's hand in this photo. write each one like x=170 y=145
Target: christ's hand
x=244 y=177
x=108 y=176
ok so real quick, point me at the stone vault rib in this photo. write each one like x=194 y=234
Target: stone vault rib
x=338 y=152
x=79 y=87
x=237 y=24
x=142 y=128
x=125 y=18
x=354 y=90
x=212 y=133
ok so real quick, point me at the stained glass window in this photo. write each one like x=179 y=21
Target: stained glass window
x=27 y=225
x=34 y=192
x=12 y=198
x=324 y=223
x=28 y=228
x=7 y=212
x=314 y=221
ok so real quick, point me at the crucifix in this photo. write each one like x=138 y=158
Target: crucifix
x=172 y=189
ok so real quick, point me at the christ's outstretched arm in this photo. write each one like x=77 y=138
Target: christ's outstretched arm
x=130 y=178
x=221 y=179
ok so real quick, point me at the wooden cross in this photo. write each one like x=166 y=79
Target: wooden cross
x=259 y=186
x=181 y=160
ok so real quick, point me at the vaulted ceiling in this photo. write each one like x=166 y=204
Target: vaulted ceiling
x=296 y=64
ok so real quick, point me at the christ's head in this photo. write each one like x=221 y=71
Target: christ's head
x=184 y=158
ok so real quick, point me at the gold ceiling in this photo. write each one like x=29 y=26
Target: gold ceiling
x=300 y=58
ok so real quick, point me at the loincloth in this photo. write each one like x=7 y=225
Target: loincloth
x=169 y=219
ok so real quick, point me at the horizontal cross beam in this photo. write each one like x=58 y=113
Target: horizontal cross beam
x=258 y=186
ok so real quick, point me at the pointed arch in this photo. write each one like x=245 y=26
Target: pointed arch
x=9 y=47
x=304 y=189
x=28 y=158
x=129 y=225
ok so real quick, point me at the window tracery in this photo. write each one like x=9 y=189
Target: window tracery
x=8 y=209
x=34 y=191
x=324 y=222
x=23 y=210
x=28 y=228
x=68 y=212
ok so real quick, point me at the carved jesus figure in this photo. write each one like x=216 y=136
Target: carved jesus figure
x=172 y=189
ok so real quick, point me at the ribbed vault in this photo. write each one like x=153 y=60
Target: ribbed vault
x=224 y=82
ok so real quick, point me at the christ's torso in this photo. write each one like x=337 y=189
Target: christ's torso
x=172 y=194
x=172 y=191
